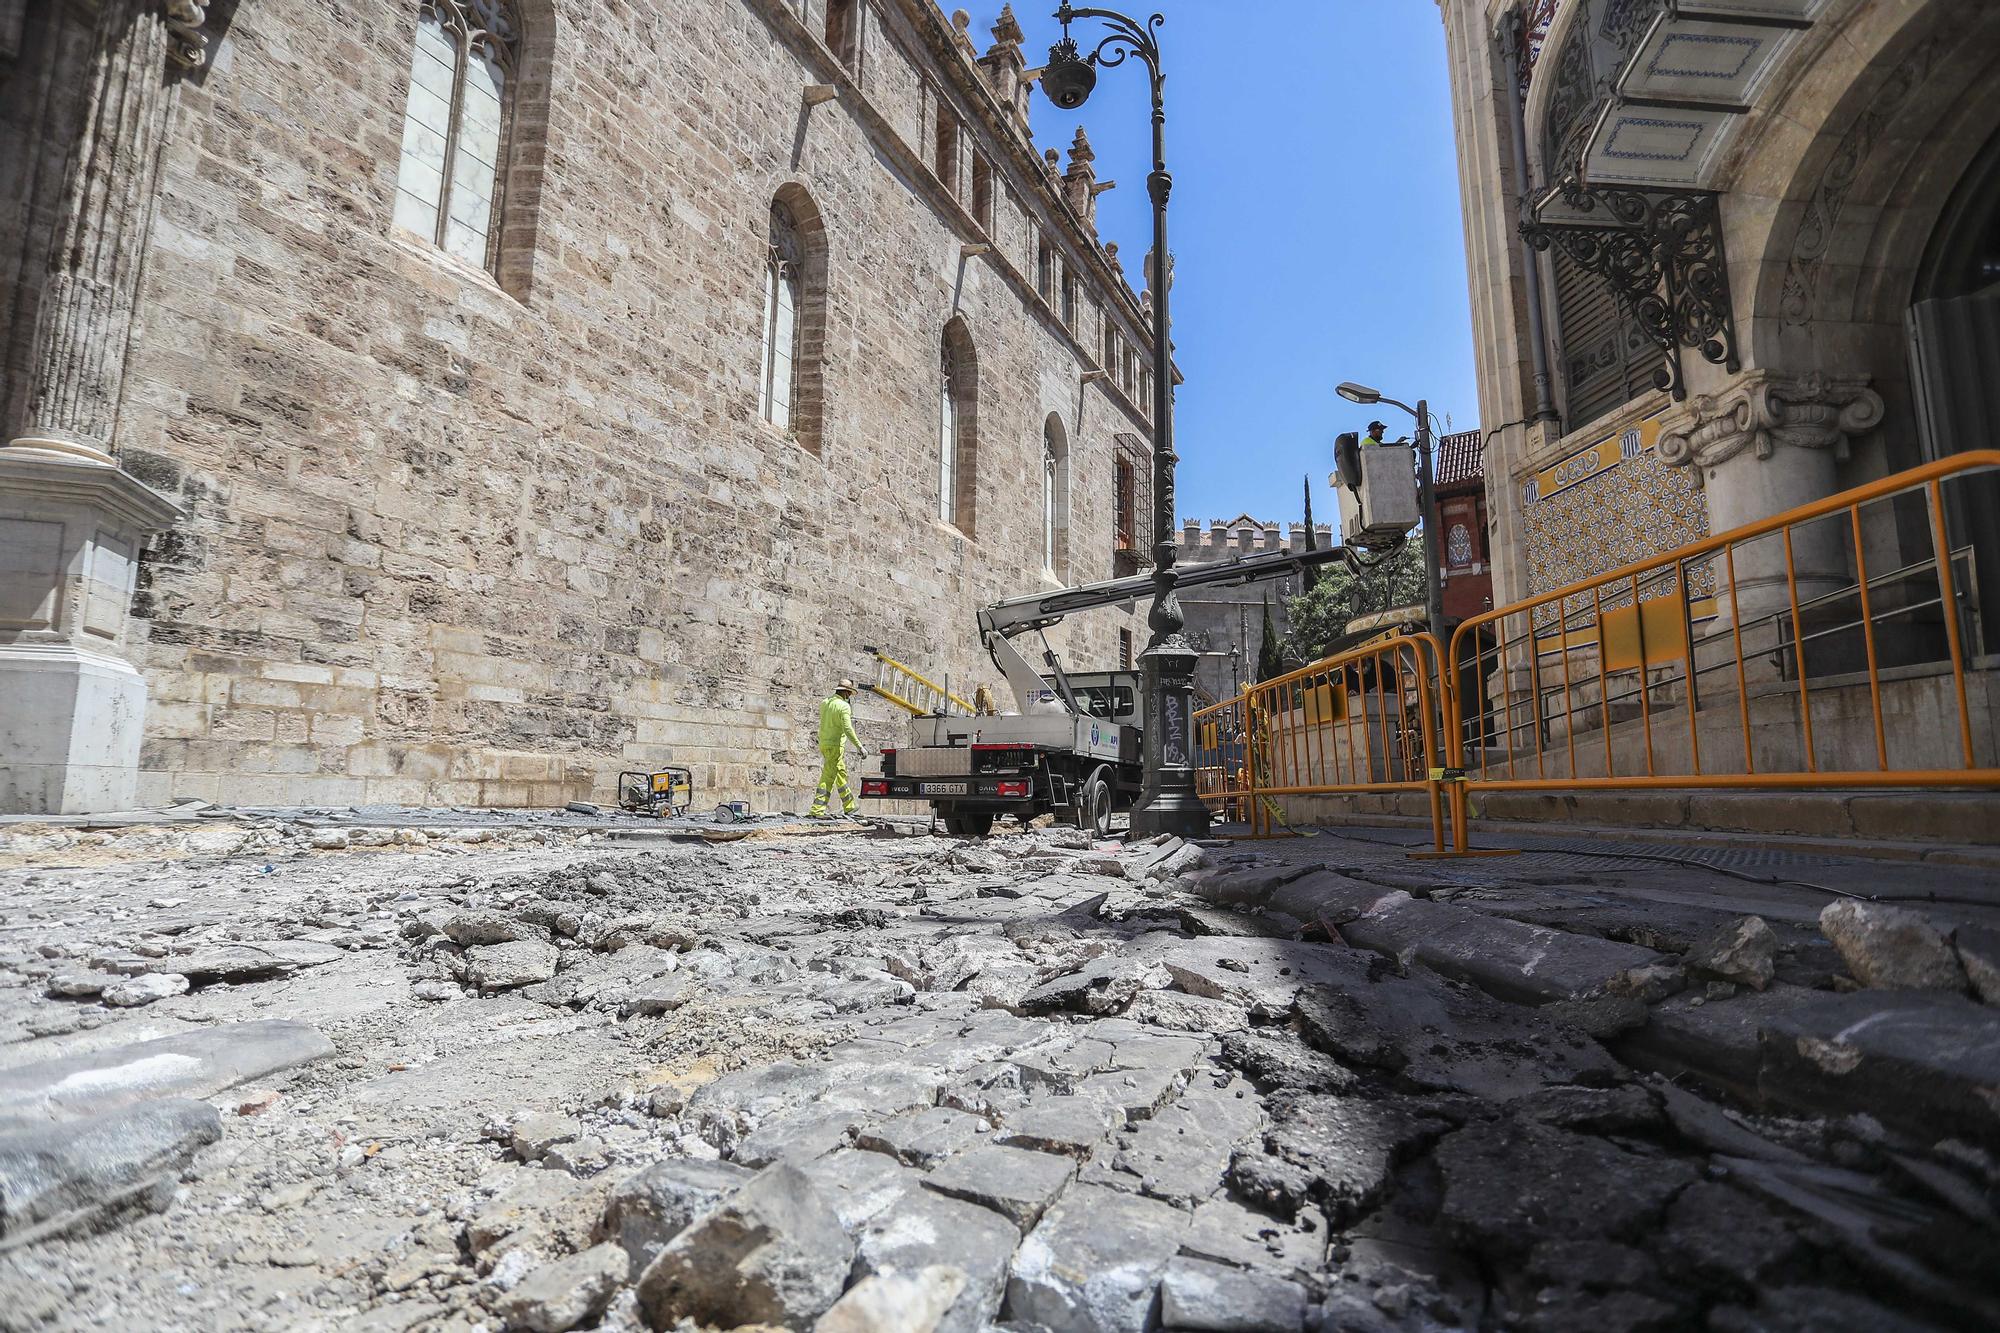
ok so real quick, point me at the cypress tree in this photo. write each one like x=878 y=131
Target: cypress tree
x=1310 y=579
x=1270 y=661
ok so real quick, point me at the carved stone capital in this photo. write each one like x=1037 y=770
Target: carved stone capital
x=1763 y=410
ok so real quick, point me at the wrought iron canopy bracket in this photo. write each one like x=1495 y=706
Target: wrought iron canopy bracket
x=1661 y=252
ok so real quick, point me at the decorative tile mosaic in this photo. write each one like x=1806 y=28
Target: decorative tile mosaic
x=1636 y=508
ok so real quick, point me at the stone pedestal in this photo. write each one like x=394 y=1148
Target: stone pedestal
x=72 y=709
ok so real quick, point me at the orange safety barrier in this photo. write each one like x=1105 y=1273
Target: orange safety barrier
x=1367 y=720
x=1833 y=645
x=1740 y=661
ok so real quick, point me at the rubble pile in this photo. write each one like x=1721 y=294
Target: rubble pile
x=908 y=1082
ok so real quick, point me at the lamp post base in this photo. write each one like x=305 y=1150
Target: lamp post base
x=1168 y=803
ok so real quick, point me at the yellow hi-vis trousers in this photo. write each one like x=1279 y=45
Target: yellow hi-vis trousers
x=833 y=777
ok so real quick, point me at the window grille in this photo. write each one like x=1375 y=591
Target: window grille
x=455 y=126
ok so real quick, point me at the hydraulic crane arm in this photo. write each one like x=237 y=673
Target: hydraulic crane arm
x=1003 y=620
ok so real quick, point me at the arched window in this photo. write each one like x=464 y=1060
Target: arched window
x=958 y=433
x=1055 y=496
x=784 y=267
x=456 y=126
x=792 y=337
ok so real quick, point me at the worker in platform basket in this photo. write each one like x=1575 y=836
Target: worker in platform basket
x=836 y=733
x=1375 y=429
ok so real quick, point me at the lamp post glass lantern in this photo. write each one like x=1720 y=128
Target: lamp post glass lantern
x=1167 y=801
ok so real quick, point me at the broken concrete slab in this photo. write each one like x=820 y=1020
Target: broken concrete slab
x=1744 y=952
x=1225 y=1231
x=923 y=1137
x=1017 y=1183
x=1095 y=1263
x=1508 y=1184
x=569 y=1292
x=1187 y=1013
x=1260 y=975
x=858 y=1184
x=1102 y=986
x=772 y=1252
x=648 y=1209
x=1196 y=1294
x=1346 y=1146
x=1327 y=897
x=1071 y=1126
x=497 y=967
x=548 y=1212
x=1507 y=959
x=923 y=1228
x=1891 y=948
x=1172 y=1157
x=1446 y=1037
x=188 y=1064
x=84 y=1174
x=1924 y=1060
x=147 y=988
x=895 y=1302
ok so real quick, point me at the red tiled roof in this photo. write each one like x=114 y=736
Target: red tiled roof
x=1459 y=458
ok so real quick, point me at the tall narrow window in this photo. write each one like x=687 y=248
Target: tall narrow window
x=946 y=164
x=456 y=124
x=1069 y=299
x=958 y=427
x=784 y=267
x=1055 y=496
x=841 y=30
x=947 y=508
x=1048 y=509
x=982 y=192
x=1045 y=269
x=1126 y=499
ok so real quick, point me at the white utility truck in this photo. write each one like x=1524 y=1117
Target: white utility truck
x=1071 y=747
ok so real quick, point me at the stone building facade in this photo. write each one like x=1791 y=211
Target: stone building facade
x=520 y=390
x=1226 y=624
x=1759 y=267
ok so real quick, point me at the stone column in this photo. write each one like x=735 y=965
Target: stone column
x=1765 y=444
x=72 y=522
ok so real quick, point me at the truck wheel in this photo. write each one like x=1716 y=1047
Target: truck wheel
x=1093 y=811
x=969 y=824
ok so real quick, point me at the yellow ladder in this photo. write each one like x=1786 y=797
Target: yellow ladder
x=909 y=689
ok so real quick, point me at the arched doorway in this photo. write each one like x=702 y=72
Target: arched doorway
x=1954 y=333
x=1954 y=320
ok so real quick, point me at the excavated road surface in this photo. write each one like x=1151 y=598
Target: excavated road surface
x=272 y=1077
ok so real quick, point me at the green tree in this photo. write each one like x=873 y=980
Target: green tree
x=1319 y=615
x=1270 y=653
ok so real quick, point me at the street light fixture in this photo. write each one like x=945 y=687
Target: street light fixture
x=1168 y=802
x=1433 y=591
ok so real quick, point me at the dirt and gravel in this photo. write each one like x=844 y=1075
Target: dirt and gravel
x=266 y=1075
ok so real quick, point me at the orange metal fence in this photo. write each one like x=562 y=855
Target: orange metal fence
x=1367 y=720
x=1838 y=644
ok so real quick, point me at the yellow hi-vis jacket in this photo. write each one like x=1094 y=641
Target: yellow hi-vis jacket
x=836 y=726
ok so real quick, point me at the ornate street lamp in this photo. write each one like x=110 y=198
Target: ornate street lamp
x=1167 y=802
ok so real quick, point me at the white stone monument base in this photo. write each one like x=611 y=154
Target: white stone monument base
x=72 y=709
x=71 y=723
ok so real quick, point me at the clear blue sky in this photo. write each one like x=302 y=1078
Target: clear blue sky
x=1314 y=223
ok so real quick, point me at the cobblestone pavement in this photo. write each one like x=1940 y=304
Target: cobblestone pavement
x=262 y=1075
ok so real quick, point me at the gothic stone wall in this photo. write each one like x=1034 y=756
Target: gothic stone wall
x=451 y=546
